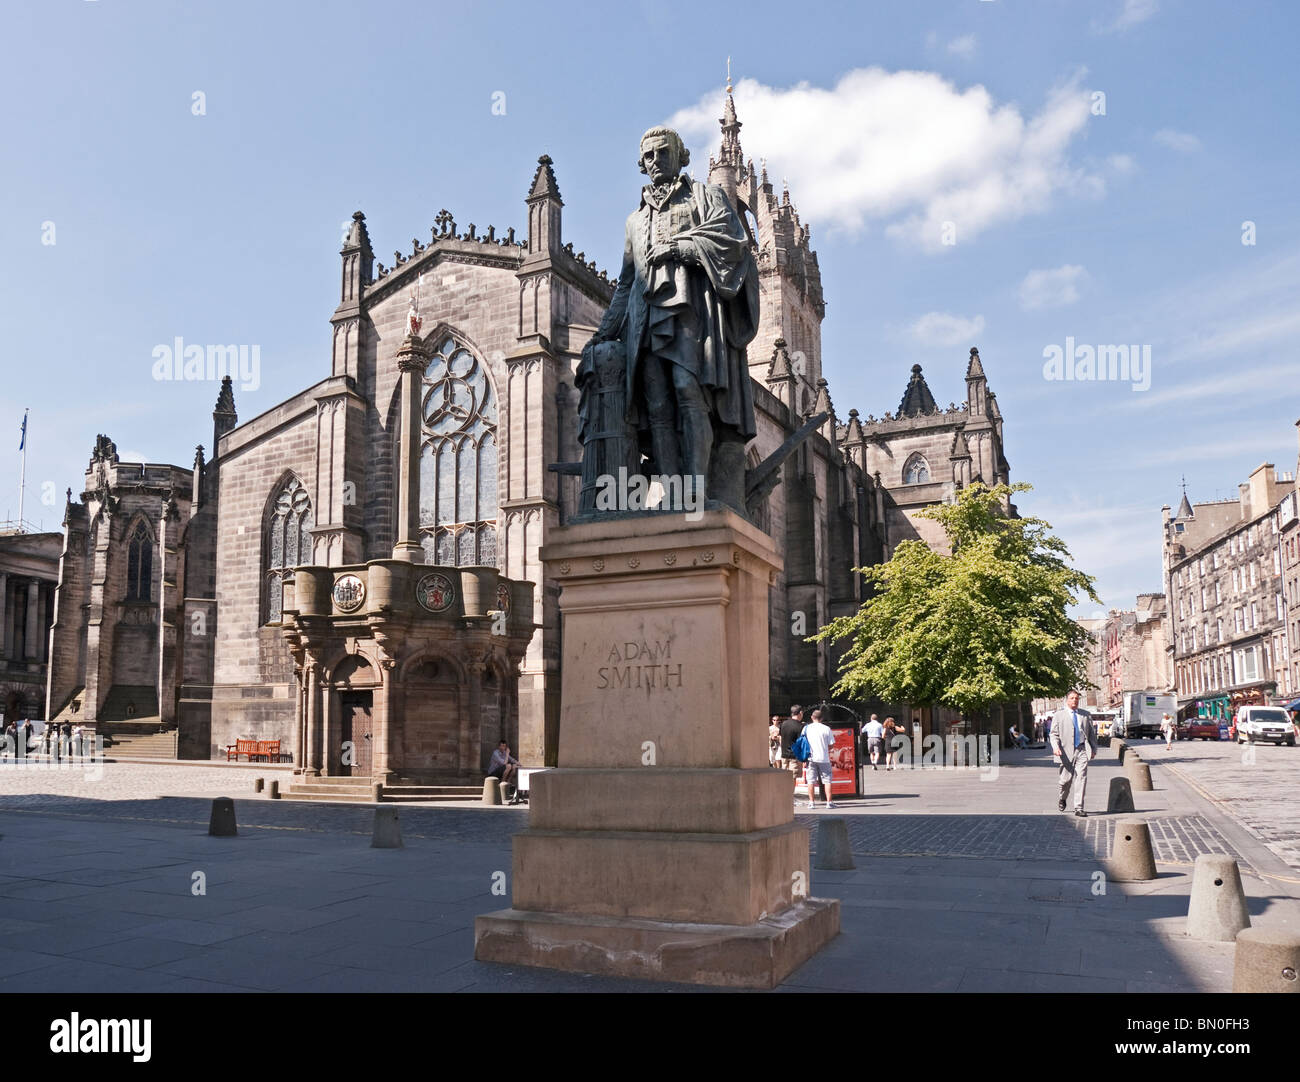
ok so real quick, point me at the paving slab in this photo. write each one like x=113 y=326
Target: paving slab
x=961 y=885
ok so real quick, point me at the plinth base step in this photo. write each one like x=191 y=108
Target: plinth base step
x=757 y=955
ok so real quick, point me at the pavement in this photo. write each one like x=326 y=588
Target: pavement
x=966 y=880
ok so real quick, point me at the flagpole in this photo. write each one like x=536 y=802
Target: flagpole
x=22 y=477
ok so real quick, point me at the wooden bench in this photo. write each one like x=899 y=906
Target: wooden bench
x=255 y=750
x=241 y=747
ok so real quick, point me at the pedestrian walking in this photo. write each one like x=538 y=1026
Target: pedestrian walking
x=1074 y=744
x=875 y=733
x=1167 y=727
x=774 y=741
x=790 y=730
x=893 y=738
x=820 y=739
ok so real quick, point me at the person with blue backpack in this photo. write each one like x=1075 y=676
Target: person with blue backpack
x=817 y=740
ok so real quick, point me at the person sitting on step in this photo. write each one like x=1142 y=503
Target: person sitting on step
x=503 y=766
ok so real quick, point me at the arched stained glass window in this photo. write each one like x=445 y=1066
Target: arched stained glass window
x=916 y=471
x=139 y=565
x=286 y=545
x=458 y=459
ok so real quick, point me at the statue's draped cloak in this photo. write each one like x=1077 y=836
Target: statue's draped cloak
x=722 y=290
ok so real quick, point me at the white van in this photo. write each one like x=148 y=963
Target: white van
x=1264 y=723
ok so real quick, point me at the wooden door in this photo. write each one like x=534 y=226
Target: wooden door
x=357 y=734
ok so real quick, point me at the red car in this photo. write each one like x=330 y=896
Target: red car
x=1202 y=729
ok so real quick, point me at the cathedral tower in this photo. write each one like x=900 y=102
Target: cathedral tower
x=790 y=282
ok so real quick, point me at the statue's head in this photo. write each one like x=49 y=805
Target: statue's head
x=663 y=154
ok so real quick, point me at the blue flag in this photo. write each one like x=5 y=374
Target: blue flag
x=23 y=441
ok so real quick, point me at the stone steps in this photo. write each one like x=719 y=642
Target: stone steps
x=150 y=746
x=361 y=790
x=433 y=792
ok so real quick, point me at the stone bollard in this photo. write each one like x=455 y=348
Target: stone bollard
x=259 y=784
x=222 y=823
x=1131 y=856
x=1120 y=798
x=388 y=830
x=1218 y=907
x=491 y=790
x=833 y=851
x=1140 y=776
x=1120 y=748
x=275 y=790
x=1268 y=960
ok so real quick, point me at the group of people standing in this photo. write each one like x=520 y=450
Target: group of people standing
x=877 y=738
x=55 y=741
x=782 y=737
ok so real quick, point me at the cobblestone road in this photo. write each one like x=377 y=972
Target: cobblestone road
x=1259 y=785
x=182 y=794
x=1175 y=839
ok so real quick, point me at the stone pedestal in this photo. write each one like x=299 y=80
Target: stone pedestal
x=663 y=846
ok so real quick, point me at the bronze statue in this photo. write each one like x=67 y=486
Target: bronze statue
x=685 y=308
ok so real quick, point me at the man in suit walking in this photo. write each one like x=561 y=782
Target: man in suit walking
x=1074 y=743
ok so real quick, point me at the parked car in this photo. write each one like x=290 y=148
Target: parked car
x=1264 y=723
x=1202 y=729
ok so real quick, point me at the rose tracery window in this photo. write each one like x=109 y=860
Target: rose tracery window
x=458 y=459
x=287 y=544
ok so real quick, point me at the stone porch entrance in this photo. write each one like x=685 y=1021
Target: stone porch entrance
x=407 y=675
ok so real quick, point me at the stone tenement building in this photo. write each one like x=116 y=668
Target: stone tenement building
x=1289 y=547
x=29 y=570
x=1133 y=646
x=1227 y=612
x=178 y=592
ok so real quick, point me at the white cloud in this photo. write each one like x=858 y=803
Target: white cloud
x=1212 y=449
x=963 y=46
x=1122 y=164
x=1183 y=142
x=1119 y=545
x=944 y=329
x=1052 y=288
x=1132 y=13
x=907 y=148
x=1244 y=334
x=131 y=456
x=1221 y=387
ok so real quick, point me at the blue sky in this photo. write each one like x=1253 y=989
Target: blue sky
x=891 y=121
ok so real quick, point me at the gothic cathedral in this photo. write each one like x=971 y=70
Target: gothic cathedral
x=354 y=573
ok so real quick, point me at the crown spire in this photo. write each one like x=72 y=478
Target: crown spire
x=730 y=153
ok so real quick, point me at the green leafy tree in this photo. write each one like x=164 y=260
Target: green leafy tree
x=985 y=625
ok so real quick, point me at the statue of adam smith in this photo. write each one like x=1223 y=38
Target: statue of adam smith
x=685 y=308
